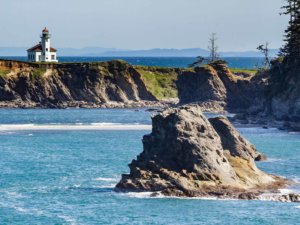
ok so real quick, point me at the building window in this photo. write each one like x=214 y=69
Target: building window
x=46 y=49
x=53 y=57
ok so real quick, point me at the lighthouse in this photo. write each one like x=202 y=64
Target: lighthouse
x=43 y=52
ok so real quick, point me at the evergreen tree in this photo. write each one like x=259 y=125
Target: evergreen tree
x=291 y=50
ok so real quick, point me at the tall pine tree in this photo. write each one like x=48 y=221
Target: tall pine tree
x=291 y=50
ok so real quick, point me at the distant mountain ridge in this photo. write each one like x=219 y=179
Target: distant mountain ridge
x=157 y=52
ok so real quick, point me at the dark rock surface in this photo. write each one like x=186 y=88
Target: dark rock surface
x=188 y=155
x=231 y=139
x=217 y=86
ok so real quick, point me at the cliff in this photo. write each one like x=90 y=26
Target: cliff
x=189 y=155
x=70 y=84
x=283 y=94
x=215 y=86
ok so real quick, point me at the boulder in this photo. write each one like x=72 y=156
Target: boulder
x=188 y=155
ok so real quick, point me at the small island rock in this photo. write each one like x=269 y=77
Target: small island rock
x=190 y=156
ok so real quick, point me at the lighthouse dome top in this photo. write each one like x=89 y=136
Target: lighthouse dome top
x=45 y=30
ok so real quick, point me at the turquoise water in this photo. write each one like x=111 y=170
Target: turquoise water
x=233 y=62
x=67 y=177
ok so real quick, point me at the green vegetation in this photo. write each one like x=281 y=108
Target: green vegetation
x=291 y=50
x=3 y=72
x=244 y=71
x=38 y=73
x=161 y=82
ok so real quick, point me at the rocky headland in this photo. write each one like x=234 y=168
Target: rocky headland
x=114 y=84
x=216 y=87
x=188 y=155
x=268 y=98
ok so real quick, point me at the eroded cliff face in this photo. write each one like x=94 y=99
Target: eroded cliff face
x=283 y=95
x=67 y=84
x=217 y=87
x=189 y=155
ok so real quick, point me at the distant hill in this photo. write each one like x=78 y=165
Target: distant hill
x=110 y=52
x=192 y=52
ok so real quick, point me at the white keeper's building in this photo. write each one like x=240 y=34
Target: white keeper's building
x=43 y=52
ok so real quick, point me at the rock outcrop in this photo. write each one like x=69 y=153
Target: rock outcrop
x=283 y=94
x=214 y=85
x=231 y=139
x=25 y=84
x=189 y=155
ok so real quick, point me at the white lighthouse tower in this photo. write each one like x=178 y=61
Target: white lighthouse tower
x=43 y=52
x=45 y=41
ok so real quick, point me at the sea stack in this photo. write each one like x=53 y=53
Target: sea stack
x=188 y=155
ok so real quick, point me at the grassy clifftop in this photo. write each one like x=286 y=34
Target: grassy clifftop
x=161 y=82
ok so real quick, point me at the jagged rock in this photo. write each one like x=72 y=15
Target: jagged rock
x=231 y=139
x=185 y=156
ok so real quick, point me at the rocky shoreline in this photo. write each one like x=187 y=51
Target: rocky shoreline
x=116 y=84
x=89 y=105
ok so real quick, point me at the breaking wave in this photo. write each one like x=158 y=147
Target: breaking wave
x=6 y=128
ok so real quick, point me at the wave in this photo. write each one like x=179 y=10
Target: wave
x=159 y=195
x=37 y=212
x=68 y=219
x=6 y=133
x=296 y=180
x=76 y=126
x=106 y=179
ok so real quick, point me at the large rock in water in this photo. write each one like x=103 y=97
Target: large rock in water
x=188 y=155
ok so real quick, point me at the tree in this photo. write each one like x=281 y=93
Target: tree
x=291 y=50
x=265 y=50
x=200 y=60
x=213 y=48
x=213 y=56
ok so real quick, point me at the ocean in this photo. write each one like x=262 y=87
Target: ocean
x=60 y=167
x=181 y=62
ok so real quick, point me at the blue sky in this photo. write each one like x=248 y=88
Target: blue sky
x=143 y=24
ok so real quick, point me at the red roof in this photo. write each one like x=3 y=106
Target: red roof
x=38 y=48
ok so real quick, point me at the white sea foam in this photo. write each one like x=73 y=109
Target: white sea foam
x=106 y=186
x=273 y=160
x=297 y=207
x=297 y=180
x=93 y=126
x=68 y=219
x=143 y=194
x=159 y=195
x=6 y=133
x=285 y=191
x=106 y=179
x=14 y=194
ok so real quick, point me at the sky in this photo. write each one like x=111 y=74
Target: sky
x=143 y=24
